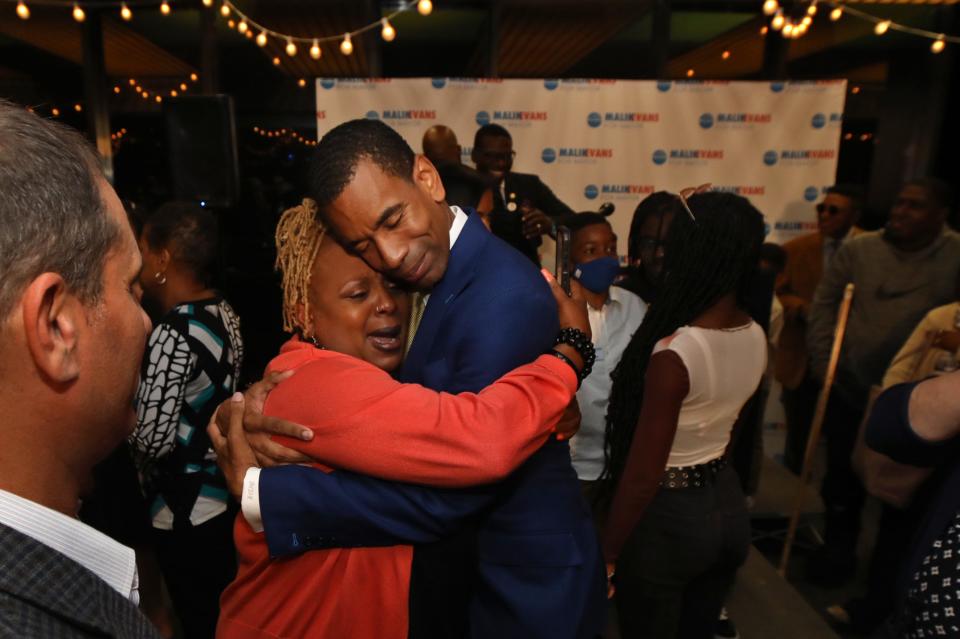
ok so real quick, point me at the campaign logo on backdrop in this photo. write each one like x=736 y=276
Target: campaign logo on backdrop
x=575 y=155
x=820 y=120
x=618 y=191
x=688 y=157
x=512 y=119
x=777 y=87
x=624 y=119
x=664 y=85
x=403 y=117
x=724 y=120
x=811 y=193
x=594 y=120
x=577 y=84
x=691 y=86
x=740 y=189
x=352 y=83
x=794 y=226
x=463 y=83
x=803 y=86
x=438 y=83
x=798 y=157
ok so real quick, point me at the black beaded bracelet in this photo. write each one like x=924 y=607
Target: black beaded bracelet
x=569 y=362
x=578 y=340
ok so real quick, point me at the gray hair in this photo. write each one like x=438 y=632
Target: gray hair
x=52 y=214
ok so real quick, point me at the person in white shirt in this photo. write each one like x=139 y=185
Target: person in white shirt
x=615 y=314
x=71 y=336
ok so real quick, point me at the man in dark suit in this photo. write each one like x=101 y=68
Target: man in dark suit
x=525 y=208
x=533 y=569
x=72 y=334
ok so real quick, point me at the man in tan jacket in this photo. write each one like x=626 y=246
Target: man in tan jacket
x=807 y=258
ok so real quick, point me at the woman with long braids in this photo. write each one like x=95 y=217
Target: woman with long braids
x=677 y=528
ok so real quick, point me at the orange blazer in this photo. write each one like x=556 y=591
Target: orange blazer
x=365 y=421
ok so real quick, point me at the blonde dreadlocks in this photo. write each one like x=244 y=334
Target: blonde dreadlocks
x=298 y=238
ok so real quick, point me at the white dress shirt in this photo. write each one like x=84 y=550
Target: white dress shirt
x=612 y=327
x=250 y=499
x=109 y=560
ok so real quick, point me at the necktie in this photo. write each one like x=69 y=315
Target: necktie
x=416 y=314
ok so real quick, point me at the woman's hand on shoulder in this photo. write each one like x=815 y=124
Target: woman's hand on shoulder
x=572 y=308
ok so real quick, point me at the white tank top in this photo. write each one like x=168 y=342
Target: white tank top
x=724 y=367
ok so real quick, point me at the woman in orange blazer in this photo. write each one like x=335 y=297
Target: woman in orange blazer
x=343 y=391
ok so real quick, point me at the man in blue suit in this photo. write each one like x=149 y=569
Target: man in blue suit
x=530 y=565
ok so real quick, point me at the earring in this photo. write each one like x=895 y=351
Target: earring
x=313 y=340
x=160 y=277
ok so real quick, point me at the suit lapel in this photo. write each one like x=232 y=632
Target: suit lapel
x=458 y=275
x=35 y=573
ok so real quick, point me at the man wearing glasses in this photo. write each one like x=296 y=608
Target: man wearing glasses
x=808 y=257
x=524 y=207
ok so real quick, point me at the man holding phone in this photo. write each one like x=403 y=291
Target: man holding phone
x=525 y=208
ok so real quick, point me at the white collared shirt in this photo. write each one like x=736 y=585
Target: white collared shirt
x=109 y=560
x=250 y=500
x=612 y=327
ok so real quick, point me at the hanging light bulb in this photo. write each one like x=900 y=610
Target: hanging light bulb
x=346 y=47
x=125 y=12
x=764 y=29
x=78 y=13
x=770 y=7
x=242 y=26
x=116 y=89
x=77 y=107
x=788 y=30
x=165 y=8
x=725 y=55
x=938 y=45
x=315 y=51
x=224 y=10
x=778 y=21
x=249 y=34
x=882 y=27
x=276 y=61
x=193 y=77
x=208 y=3
x=836 y=14
x=262 y=39
x=159 y=99
x=800 y=30
x=23 y=11
x=690 y=73
x=55 y=112
x=301 y=83
x=173 y=93
x=424 y=7
x=807 y=21
x=146 y=95
x=183 y=86
x=132 y=82
x=388 y=33
x=291 y=48
x=812 y=9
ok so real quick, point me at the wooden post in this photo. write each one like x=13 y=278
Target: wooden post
x=814 y=439
x=95 y=89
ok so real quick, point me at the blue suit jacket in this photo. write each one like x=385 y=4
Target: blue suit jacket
x=541 y=572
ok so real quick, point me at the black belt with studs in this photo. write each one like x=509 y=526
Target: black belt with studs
x=693 y=476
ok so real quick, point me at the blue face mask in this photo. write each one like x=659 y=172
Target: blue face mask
x=597 y=275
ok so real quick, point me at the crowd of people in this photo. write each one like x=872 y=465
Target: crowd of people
x=450 y=444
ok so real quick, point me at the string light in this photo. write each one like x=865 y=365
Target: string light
x=208 y=3
x=882 y=27
x=262 y=39
x=78 y=13
x=807 y=21
x=315 y=51
x=938 y=45
x=787 y=30
x=690 y=73
x=159 y=99
x=276 y=61
x=725 y=55
x=837 y=13
x=778 y=21
x=770 y=7
x=173 y=93
x=242 y=26
x=55 y=112
x=165 y=8
x=23 y=11
x=183 y=86
x=231 y=23
x=346 y=47
x=224 y=10
x=291 y=48
x=125 y=12
x=146 y=95
x=132 y=82
x=194 y=77
x=301 y=83
x=116 y=89
x=764 y=30
x=424 y=7
x=249 y=34
x=812 y=9
x=77 y=107
x=388 y=33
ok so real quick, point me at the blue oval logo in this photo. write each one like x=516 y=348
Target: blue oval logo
x=706 y=120
x=659 y=157
x=664 y=85
x=373 y=115
x=328 y=83
x=770 y=158
x=438 y=83
x=548 y=155
x=591 y=192
x=483 y=118
x=594 y=120
x=810 y=193
x=777 y=87
x=818 y=121
x=766 y=229
x=551 y=85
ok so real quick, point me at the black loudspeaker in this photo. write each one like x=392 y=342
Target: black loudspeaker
x=202 y=139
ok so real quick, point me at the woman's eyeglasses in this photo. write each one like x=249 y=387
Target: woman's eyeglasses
x=690 y=191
